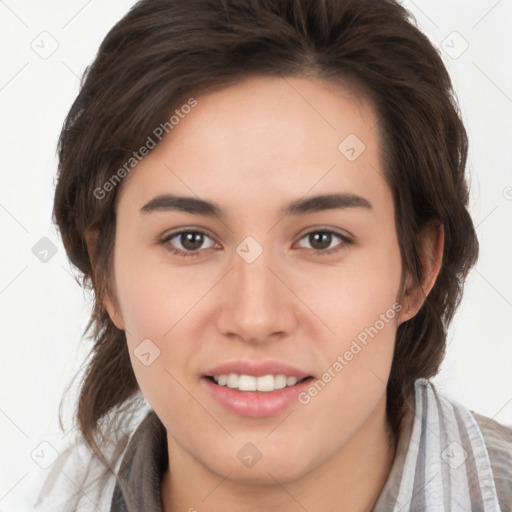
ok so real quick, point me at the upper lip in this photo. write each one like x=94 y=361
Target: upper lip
x=257 y=369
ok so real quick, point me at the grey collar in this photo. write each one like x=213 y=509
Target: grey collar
x=142 y=468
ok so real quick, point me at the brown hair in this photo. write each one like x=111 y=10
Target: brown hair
x=164 y=51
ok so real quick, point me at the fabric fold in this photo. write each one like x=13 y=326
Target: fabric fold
x=446 y=466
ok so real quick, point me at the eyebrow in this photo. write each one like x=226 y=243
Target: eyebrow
x=196 y=206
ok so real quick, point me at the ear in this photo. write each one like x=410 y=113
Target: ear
x=431 y=255
x=110 y=304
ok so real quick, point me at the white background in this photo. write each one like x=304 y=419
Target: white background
x=44 y=311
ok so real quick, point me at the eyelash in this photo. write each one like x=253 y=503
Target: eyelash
x=346 y=241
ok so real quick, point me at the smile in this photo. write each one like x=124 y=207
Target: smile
x=265 y=383
x=255 y=403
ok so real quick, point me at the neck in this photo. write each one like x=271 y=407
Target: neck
x=351 y=479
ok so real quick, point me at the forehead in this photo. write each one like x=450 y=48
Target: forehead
x=267 y=137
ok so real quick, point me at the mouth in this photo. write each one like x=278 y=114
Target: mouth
x=255 y=396
x=261 y=384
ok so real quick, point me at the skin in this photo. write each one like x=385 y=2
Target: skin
x=253 y=148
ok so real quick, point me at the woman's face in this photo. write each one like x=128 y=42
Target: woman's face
x=273 y=276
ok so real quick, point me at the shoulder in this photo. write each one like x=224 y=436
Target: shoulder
x=498 y=439
x=75 y=477
x=77 y=480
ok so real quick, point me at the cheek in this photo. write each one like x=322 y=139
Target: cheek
x=359 y=306
x=153 y=296
x=353 y=296
x=157 y=327
x=156 y=304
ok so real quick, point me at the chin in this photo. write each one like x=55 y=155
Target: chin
x=265 y=471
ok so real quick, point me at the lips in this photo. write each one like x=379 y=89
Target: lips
x=257 y=369
x=256 y=403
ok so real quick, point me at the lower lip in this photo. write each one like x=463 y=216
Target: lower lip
x=256 y=403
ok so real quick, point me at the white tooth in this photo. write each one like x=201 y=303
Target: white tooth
x=291 y=381
x=265 y=383
x=280 y=381
x=246 y=383
x=232 y=381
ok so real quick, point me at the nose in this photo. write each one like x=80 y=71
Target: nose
x=258 y=305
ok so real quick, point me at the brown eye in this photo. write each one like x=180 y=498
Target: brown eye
x=321 y=241
x=191 y=240
x=187 y=243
